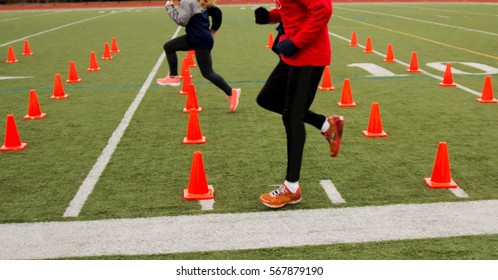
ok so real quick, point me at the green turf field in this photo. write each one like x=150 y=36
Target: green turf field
x=245 y=150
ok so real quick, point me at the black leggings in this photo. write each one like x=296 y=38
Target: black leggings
x=290 y=91
x=204 y=61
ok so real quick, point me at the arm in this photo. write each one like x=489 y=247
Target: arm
x=216 y=18
x=182 y=15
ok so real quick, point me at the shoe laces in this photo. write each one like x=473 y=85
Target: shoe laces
x=279 y=191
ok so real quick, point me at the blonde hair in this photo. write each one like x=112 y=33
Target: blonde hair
x=206 y=3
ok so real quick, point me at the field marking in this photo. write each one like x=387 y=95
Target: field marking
x=92 y=178
x=14 y=77
x=423 y=21
x=177 y=234
x=56 y=28
x=420 y=38
x=459 y=192
x=332 y=192
x=440 y=78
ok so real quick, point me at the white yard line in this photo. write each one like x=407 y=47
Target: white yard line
x=56 y=28
x=74 y=208
x=440 y=78
x=268 y=229
x=422 y=21
x=459 y=192
x=332 y=192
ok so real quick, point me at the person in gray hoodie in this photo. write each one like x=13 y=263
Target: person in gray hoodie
x=194 y=16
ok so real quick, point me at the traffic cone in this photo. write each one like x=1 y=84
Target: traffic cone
x=347 y=96
x=187 y=80
x=190 y=58
x=94 y=65
x=34 y=110
x=192 y=101
x=353 y=42
x=58 y=89
x=487 y=92
x=27 y=49
x=11 y=56
x=414 y=63
x=73 y=74
x=270 y=41
x=441 y=175
x=194 y=133
x=198 y=188
x=448 y=77
x=389 y=54
x=107 y=53
x=12 y=140
x=114 y=45
x=326 y=80
x=368 y=47
x=184 y=68
x=374 y=124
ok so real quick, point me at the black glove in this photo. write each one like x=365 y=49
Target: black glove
x=287 y=48
x=262 y=15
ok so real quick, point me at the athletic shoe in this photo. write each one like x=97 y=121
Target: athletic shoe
x=334 y=133
x=169 y=81
x=280 y=197
x=234 y=99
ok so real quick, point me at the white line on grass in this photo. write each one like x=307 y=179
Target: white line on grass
x=423 y=21
x=92 y=178
x=476 y=93
x=56 y=28
x=332 y=192
x=459 y=192
x=267 y=229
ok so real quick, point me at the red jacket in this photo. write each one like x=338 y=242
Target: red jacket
x=305 y=23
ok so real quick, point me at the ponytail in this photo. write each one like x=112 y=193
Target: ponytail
x=206 y=3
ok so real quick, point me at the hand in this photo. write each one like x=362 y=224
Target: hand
x=287 y=48
x=213 y=33
x=262 y=15
x=169 y=2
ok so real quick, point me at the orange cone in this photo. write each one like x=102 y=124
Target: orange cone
x=190 y=58
x=194 y=133
x=107 y=52
x=114 y=45
x=198 y=188
x=347 y=96
x=11 y=56
x=34 y=110
x=353 y=42
x=487 y=92
x=326 y=80
x=187 y=80
x=94 y=65
x=73 y=74
x=12 y=140
x=27 y=49
x=58 y=89
x=441 y=175
x=414 y=63
x=389 y=54
x=375 y=123
x=368 y=47
x=270 y=41
x=448 y=77
x=192 y=101
x=184 y=68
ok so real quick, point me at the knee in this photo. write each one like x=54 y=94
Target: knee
x=168 y=48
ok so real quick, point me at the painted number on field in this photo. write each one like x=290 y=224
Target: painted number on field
x=378 y=71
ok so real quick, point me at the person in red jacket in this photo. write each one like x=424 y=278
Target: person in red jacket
x=304 y=50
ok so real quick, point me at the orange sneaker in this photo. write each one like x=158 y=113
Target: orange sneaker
x=280 y=197
x=334 y=133
x=169 y=81
x=234 y=99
